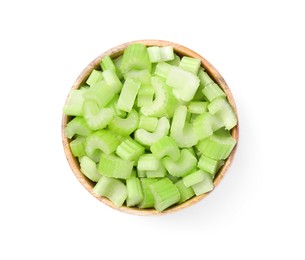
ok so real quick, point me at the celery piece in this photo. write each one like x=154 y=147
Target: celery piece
x=145 y=96
x=117 y=63
x=209 y=165
x=197 y=107
x=204 y=186
x=89 y=169
x=193 y=178
x=130 y=150
x=204 y=78
x=159 y=173
x=221 y=108
x=112 y=80
x=148 y=162
x=77 y=146
x=154 y=54
x=216 y=146
x=148 y=198
x=115 y=167
x=113 y=189
x=184 y=165
x=113 y=104
x=142 y=76
x=157 y=54
x=128 y=94
x=135 y=56
x=199 y=95
x=125 y=126
x=74 y=104
x=166 y=146
x=165 y=194
x=107 y=64
x=103 y=140
x=185 y=192
x=95 y=117
x=94 y=77
x=184 y=83
x=163 y=69
x=77 y=125
x=175 y=61
x=190 y=64
x=167 y=53
x=148 y=123
x=147 y=138
x=212 y=91
x=205 y=125
x=181 y=131
x=134 y=191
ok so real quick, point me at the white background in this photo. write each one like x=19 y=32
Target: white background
x=257 y=212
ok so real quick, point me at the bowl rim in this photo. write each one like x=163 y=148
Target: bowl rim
x=115 y=52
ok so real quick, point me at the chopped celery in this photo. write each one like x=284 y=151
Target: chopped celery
x=117 y=63
x=128 y=94
x=125 y=126
x=204 y=78
x=89 y=169
x=148 y=162
x=148 y=123
x=185 y=192
x=209 y=165
x=197 y=107
x=134 y=191
x=205 y=125
x=94 y=77
x=145 y=96
x=74 y=104
x=159 y=173
x=167 y=53
x=190 y=64
x=166 y=146
x=193 y=178
x=78 y=126
x=212 y=91
x=130 y=150
x=148 y=198
x=142 y=76
x=113 y=189
x=77 y=146
x=157 y=54
x=204 y=186
x=107 y=64
x=154 y=54
x=163 y=69
x=112 y=80
x=115 y=167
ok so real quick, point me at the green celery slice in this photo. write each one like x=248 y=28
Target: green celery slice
x=142 y=76
x=128 y=94
x=135 y=57
x=159 y=173
x=212 y=91
x=107 y=63
x=115 y=167
x=185 y=192
x=103 y=140
x=130 y=150
x=165 y=194
x=147 y=138
x=89 y=169
x=148 y=162
x=148 y=198
x=197 y=107
x=77 y=125
x=94 y=77
x=125 y=126
x=145 y=96
x=117 y=63
x=184 y=83
x=193 y=178
x=209 y=165
x=204 y=77
x=166 y=146
x=157 y=54
x=112 y=80
x=74 y=104
x=204 y=186
x=77 y=146
x=162 y=69
x=221 y=108
x=95 y=117
x=167 y=53
x=181 y=131
x=134 y=191
x=199 y=95
x=154 y=54
x=184 y=165
x=111 y=188
x=148 y=123
x=190 y=64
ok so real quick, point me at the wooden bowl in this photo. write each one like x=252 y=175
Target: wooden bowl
x=114 y=53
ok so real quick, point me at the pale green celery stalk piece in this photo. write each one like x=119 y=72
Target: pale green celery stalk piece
x=205 y=125
x=197 y=107
x=159 y=173
x=167 y=53
x=103 y=140
x=221 y=108
x=166 y=146
x=130 y=150
x=154 y=54
x=77 y=125
x=165 y=194
x=148 y=198
x=112 y=80
x=190 y=64
x=113 y=189
x=145 y=96
x=184 y=165
x=199 y=95
x=113 y=104
x=89 y=169
x=147 y=138
x=162 y=69
x=204 y=186
x=95 y=117
x=141 y=174
x=164 y=103
x=184 y=83
x=117 y=63
x=115 y=167
x=175 y=61
x=148 y=123
x=101 y=93
x=217 y=147
x=212 y=91
x=128 y=94
x=209 y=165
x=181 y=131
x=107 y=63
x=204 y=78
x=74 y=104
x=185 y=192
x=193 y=178
x=135 y=57
x=125 y=126
x=77 y=146
x=148 y=162
x=142 y=76
x=134 y=191
x=94 y=77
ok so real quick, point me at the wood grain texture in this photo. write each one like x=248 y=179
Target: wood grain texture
x=115 y=52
